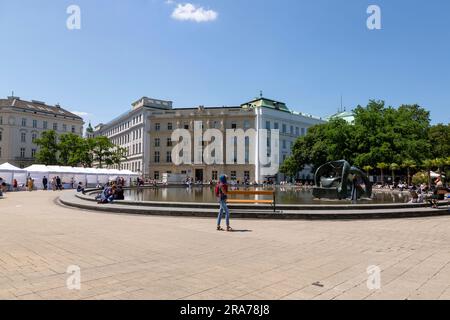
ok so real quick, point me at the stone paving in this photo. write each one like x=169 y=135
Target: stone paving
x=145 y=257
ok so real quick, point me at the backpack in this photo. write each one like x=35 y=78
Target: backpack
x=217 y=190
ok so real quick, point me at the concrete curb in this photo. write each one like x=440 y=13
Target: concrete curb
x=170 y=210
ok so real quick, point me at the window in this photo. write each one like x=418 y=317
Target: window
x=23 y=137
x=22 y=152
x=64 y=127
x=169 y=142
x=292 y=130
x=157 y=126
x=34 y=123
x=157 y=157
x=156 y=175
x=169 y=157
x=214 y=175
x=234 y=125
x=45 y=125
x=170 y=126
x=233 y=175
x=73 y=129
x=1 y=120
x=284 y=128
x=33 y=153
x=33 y=137
x=303 y=131
x=1 y=134
x=246 y=124
x=268 y=125
x=157 y=142
x=24 y=122
x=284 y=144
x=186 y=126
x=276 y=126
x=55 y=126
x=247 y=175
x=297 y=131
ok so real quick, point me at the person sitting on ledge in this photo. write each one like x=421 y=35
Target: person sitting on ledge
x=414 y=197
x=438 y=193
x=118 y=195
x=80 y=187
x=107 y=195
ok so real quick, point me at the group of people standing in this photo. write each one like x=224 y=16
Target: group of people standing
x=56 y=183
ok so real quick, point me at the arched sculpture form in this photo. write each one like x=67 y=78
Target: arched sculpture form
x=336 y=179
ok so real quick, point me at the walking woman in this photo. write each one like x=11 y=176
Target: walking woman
x=222 y=195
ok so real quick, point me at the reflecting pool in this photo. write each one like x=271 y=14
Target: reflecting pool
x=284 y=195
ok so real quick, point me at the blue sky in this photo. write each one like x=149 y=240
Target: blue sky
x=303 y=52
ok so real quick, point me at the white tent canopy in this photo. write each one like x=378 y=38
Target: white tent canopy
x=73 y=175
x=8 y=173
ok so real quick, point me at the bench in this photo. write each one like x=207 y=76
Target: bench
x=253 y=201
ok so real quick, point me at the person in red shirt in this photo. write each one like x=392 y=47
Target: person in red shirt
x=222 y=195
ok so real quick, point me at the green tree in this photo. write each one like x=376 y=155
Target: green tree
x=72 y=149
x=118 y=154
x=104 y=152
x=419 y=178
x=385 y=134
x=380 y=134
x=323 y=143
x=382 y=166
x=368 y=169
x=289 y=167
x=439 y=138
x=409 y=164
x=48 y=148
x=428 y=165
x=394 y=167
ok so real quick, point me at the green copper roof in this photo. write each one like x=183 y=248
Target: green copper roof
x=266 y=103
x=346 y=115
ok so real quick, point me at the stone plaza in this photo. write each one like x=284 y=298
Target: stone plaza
x=146 y=257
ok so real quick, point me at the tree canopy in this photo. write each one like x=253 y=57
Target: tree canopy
x=380 y=136
x=72 y=150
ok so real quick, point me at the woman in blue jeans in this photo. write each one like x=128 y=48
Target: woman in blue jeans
x=222 y=195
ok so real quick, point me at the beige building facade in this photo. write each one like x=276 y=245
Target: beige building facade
x=22 y=122
x=164 y=123
x=146 y=133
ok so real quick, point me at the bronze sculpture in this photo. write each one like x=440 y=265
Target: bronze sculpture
x=339 y=180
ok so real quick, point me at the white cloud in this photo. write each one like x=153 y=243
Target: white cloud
x=189 y=12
